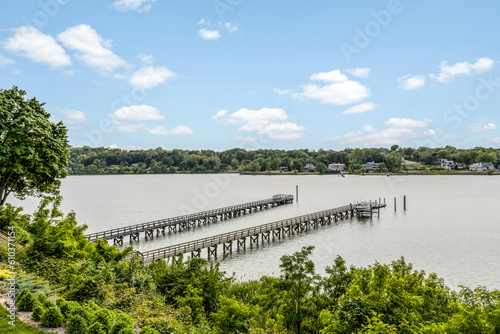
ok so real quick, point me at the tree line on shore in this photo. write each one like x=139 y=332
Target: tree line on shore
x=88 y=160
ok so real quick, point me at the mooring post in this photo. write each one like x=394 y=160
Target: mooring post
x=297 y=193
x=404 y=202
x=394 y=203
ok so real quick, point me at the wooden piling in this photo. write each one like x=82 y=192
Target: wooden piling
x=404 y=202
x=394 y=203
x=297 y=193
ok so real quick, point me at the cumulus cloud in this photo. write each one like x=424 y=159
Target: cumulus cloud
x=360 y=108
x=448 y=72
x=272 y=123
x=398 y=131
x=4 y=61
x=137 y=113
x=73 y=118
x=181 y=130
x=209 y=34
x=482 y=128
x=231 y=27
x=282 y=91
x=134 y=118
x=337 y=90
x=137 y=5
x=411 y=82
x=91 y=49
x=150 y=76
x=30 y=43
x=360 y=72
x=494 y=140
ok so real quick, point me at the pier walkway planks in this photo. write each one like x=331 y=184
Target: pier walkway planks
x=265 y=232
x=187 y=221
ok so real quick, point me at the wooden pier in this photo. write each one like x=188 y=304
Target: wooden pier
x=265 y=232
x=188 y=221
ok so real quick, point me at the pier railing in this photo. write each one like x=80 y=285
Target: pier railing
x=161 y=224
x=277 y=227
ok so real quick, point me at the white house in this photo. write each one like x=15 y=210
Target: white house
x=370 y=166
x=447 y=164
x=481 y=166
x=309 y=166
x=339 y=167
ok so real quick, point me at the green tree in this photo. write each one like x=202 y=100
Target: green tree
x=393 y=161
x=33 y=150
x=232 y=317
x=297 y=277
x=321 y=168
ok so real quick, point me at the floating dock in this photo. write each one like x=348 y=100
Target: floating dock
x=188 y=221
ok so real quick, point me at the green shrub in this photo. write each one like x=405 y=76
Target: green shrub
x=123 y=325
x=64 y=306
x=148 y=330
x=104 y=317
x=45 y=301
x=52 y=317
x=97 y=328
x=76 y=325
x=37 y=312
x=76 y=309
x=26 y=302
x=23 y=293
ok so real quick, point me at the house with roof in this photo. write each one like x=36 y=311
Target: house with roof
x=309 y=166
x=481 y=167
x=448 y=164
x=370 y=166
x=338 y=167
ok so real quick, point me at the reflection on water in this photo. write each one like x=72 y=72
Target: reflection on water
x=451 y=225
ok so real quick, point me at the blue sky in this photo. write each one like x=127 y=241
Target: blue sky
x=220 y=74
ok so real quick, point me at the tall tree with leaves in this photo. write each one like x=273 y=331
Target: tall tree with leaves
x=33 y=150
x=297 y=277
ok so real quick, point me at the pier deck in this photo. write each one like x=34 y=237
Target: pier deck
x=187 y=221
x=266 y=232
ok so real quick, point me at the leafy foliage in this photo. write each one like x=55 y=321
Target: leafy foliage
x=33 y=150
x=26 y=301
x=52 y=317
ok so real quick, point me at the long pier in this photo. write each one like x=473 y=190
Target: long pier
x=265 y=232
x=187 y=221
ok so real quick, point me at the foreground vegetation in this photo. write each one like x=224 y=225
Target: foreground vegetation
x=93 y=289
x=87 y=160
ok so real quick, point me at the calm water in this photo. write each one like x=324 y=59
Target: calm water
x=451 y=225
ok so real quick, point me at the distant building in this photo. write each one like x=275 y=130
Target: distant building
x=309 y=166
x=384 y=153
x=481 y=166
x=283 y=168
x=114 y=166
x=447 y=164
x=339 y=167
x=370 y=166
x=134 y=165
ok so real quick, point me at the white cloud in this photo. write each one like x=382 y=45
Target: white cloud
x=150 y=77
x=29 y=42
x=360 y=108
x=282 y=91
x=6 y=61
x=246 y=140
x=128 y=148
x=494 y=140
x=406 y=123
x=398 y=131
x=332 y=76
x=339 y=90
x=449 y=72
x=146 y=59
x=220 y=114
x=209 y=34
x=137 y=113
x=482 y=128
x=272 y=123
x=72 y=117
x=231 y=27
x=410 y=82
x=138 y=5
x=181 y=130
x=91 y=48
x=360 y=72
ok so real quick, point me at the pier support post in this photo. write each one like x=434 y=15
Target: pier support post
x=394 y=203
x=297 y=193
x=404 y=202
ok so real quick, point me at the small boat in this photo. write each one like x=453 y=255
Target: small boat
x=364 y=209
